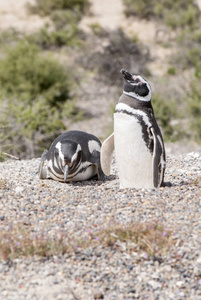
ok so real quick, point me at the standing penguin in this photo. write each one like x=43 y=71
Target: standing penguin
x=73 y=156
x=137 y=139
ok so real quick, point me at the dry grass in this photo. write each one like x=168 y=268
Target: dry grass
x=20 y=240
x=196 y=181
x=150 y=238
x=147 y=239
x=2 y=182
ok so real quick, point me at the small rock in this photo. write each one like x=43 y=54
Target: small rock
x=98 y=295
x=19 y=189
x=180 y=284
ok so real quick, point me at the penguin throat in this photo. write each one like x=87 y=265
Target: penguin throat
x=76 y=163
x=135 y=103
x=138 y=97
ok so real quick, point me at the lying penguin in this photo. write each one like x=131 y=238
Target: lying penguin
x=73 y=156
x=137 y=139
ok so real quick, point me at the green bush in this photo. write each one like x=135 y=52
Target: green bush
x=120 y=52
x=10 y=36
x=4 y=130
x=174 y=13
x=47 y=7
x=164 y=114
x=142 y=9
x=188 y=44
x=171 y=71
x=65 y=16
x=194 y=108
x=63 y=30
x=28 y=75
x=47 y=38
x=34 y=97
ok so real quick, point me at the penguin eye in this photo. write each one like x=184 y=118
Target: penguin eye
x=137 y=80
x=56 y=152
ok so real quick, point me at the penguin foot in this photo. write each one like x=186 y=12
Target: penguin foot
x=166 y=184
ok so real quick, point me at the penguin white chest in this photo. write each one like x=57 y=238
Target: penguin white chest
x=89 y=171
x=134 y=160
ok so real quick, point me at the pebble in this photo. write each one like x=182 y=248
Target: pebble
x=82 y=209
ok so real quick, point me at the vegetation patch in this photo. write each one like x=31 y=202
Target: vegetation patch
x=120 y=52
x=34 y=95
x=149 y=239
x=164 y=113
x=194 y=108
x=62 y=28
x=3 y=182
x=174 y=13
x=196 y=181
x=47 y=7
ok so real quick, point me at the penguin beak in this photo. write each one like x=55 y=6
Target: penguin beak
x=66 y=168
x=126 y=75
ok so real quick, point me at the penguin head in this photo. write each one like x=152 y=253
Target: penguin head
x=68 y=154
x=136 y=86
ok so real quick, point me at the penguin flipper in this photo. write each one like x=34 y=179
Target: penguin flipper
x=158 y=159
x=42 y=170
x=107 y=150
x=101 y=175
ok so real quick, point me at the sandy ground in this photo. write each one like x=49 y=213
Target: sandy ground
x=14 y=14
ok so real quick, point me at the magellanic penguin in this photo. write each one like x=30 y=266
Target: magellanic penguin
x=137 y=139
x=73 y=156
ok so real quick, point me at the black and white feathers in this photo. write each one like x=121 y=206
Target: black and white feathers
x=137 y=139
x=73 y=156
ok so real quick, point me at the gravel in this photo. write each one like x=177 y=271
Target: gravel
x=102 y=272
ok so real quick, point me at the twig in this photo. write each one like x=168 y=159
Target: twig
x=11 y=156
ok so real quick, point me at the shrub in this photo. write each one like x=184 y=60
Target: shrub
x=174 y=13
x=189 y=43
x=34 y=92
x=3 y=136
x=47 y=38
x=119 y=52
x=194 y=108
x=10 y=36
x=65 y=16
x=171 y=71
x=164 y=114
x=63 y=30
x=27 y=74
x=47 y=7
x=143 y=9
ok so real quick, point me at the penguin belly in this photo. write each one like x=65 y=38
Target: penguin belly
x=86 y=170
x=134 y=160
x=89 y=171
